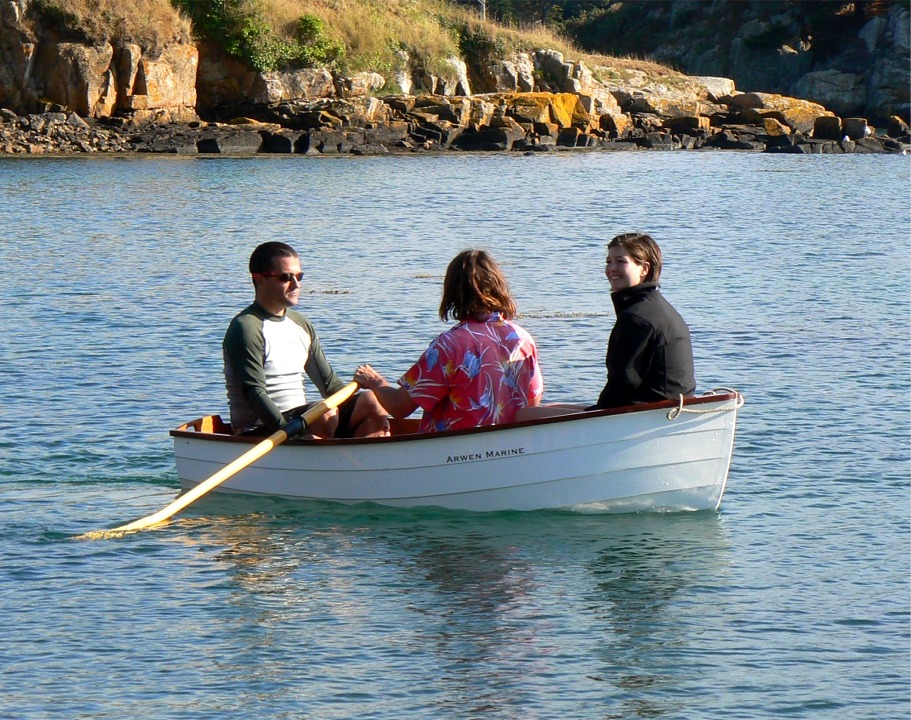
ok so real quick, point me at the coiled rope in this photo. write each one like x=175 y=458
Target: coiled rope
x=674 y=413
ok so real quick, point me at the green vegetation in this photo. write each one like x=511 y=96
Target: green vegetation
x=346 y=35
x=242 y=29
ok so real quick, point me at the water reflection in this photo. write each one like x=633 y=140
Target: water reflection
x=500 y=606
x=637 y=578
x=467 y=588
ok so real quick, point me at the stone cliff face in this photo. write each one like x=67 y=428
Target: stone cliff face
x=852 y=57
x=39 y=69
x=529 y=100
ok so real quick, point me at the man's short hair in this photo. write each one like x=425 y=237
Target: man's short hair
x=263 y=258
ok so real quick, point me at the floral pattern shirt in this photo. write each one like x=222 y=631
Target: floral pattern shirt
x=479 y=372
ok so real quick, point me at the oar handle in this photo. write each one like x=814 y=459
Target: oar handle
x=248 y=458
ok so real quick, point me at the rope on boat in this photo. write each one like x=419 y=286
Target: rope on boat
x=674 y=413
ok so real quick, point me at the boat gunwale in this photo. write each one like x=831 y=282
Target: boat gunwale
x=182 y=431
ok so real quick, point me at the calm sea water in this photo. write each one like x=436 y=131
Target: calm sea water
x=119 y=277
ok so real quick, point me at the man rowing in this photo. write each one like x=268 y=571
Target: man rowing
x=267 y=350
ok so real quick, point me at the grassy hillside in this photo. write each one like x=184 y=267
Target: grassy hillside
x=347 y=35
x=148 y=23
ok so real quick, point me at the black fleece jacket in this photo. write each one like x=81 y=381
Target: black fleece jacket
x=649 y=354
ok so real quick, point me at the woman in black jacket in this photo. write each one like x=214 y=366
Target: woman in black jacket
x=649 y=354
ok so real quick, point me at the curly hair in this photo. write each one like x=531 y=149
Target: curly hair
x=475 y=286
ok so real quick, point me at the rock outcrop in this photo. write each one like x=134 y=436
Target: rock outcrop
x=69 y=97
x=530 y=122
x=852 y=57
x=38 y=71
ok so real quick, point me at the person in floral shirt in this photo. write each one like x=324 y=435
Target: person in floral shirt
x=480 y=371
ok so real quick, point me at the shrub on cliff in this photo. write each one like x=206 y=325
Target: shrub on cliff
x=243 y=30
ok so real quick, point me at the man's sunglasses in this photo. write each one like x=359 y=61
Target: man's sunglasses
x=285 y=277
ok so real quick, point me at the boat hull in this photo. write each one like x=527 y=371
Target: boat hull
x=626 y=461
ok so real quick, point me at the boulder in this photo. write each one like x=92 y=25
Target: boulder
x=274 y=86
x=873 y=31
x=553 y=69
x=616 y=126
x=798 y=114
x=827 y=128
x=716 y=88
x=856 y=128
x=401 y=75
x=841 y=91
x=531 y=107
x=359 y=85
x=657 y=141
x=819 y=147
x=487 y=138
x=571 y=137
x=890 y=88
x=389 y=134
x=668 y=107
x=515 y=73
x=564 y=109
x=687 y=124
x=331 y=142
x=457 y=110
x=481 y=112
x=229 y=142
x=898 y=128
x=775 y=128
x=455 y=81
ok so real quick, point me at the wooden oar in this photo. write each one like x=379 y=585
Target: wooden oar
x=248 y=458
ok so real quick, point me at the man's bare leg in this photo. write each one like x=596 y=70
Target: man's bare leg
x=324 y=427
x=368 y=418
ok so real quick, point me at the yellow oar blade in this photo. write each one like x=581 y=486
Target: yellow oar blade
x=248 y=458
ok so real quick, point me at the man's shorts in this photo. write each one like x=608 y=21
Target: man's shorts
x=345 y=410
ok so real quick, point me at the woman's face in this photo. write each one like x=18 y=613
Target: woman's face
x=623 y=271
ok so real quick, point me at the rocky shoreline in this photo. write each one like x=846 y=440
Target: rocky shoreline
x=529 y=122
x=60 y=96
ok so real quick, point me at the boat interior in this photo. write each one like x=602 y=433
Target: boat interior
x=215 y=425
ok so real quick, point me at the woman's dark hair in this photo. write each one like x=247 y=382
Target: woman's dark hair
x=263 y=258
x=643 y=249
x=475 y=286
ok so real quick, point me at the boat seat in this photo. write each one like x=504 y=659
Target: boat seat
x=208 y=424
x=404 y=426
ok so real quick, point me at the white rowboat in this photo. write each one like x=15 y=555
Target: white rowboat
x=666 y=456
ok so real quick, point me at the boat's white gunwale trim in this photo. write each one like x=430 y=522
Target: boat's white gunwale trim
x=412 y=437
